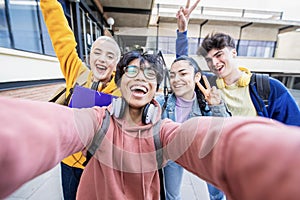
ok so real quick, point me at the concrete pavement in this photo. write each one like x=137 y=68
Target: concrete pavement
x=48 y=187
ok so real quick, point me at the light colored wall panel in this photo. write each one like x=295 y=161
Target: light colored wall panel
x=194 y=30
x=259 y=33
x=231 y=30
x=167 y=29
x=24 y=66
x=151 y=31
x=289 y=46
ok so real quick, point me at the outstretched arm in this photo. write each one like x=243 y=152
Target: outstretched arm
x=238 y=153
x=183 y=17
x=35 y=136
x=63 y=41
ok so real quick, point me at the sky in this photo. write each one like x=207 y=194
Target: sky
x=290 y=8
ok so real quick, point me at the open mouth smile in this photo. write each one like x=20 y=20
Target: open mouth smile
x=139 y=90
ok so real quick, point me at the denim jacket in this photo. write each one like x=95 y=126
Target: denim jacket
x=169 y=112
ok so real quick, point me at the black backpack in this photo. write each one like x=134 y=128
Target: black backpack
x=263 y=86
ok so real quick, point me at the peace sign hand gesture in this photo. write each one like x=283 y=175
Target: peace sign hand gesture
x=211 y=94
x=183 y=15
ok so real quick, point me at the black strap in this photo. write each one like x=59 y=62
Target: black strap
x=95 y=85
x=167 y=90
x=158 y=145
x=161 y=182
x=57 y=95
x=262 y=86
x=159 y=157
x=69 y=96
x=98 y=138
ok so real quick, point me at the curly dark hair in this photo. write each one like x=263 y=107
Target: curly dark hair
x=215 y=41
x=200 y=96
x=154 y=60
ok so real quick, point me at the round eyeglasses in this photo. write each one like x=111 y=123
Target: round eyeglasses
x=132 y=71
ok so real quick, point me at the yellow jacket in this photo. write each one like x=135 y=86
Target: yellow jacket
x=71 y=65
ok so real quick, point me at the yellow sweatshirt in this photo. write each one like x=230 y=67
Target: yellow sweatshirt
x=71 y=65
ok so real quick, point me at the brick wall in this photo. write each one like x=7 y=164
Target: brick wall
x=38 y=93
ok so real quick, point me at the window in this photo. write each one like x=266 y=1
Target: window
x=4 y=33
x=193 y=46
x=262 y=49
x=48 y=48
x=31 y=36
x=26 y=35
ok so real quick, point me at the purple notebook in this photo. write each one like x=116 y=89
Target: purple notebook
x=85 y=98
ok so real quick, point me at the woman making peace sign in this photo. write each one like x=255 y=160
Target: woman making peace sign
x=192 y=97
x=189 y=99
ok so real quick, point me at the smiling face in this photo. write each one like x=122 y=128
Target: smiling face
x=103 y=59
x=139 y=90
x=182 y=79
x=221 y=61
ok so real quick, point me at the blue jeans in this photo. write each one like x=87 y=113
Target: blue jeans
x=172 y=178
x=70 y=177
x=215 y=193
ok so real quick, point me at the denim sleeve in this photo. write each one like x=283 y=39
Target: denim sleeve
x=220 y=110
x=181 y=44
x=282 y=105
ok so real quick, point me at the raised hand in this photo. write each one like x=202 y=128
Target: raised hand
x=183 y=15
x=211 y=94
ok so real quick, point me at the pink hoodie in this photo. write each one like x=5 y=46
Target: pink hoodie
x=253 y=158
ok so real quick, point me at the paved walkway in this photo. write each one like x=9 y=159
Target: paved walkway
x=193 y=188
x=48 y=187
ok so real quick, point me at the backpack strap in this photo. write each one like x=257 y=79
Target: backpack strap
x=58 y=94
x=157 y=144
x=98 y=137
x=159 y=157
x=262 y=86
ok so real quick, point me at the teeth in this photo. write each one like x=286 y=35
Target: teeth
x=139 y=87
x=101 y=67
x=177 y=86
x=219 y=68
